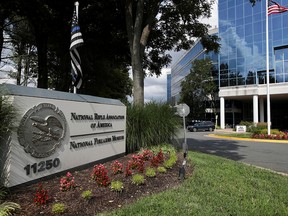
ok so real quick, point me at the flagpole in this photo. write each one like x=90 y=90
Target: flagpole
x=76 y=7
x=267 y=71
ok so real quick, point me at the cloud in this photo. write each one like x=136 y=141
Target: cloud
x=156 y=87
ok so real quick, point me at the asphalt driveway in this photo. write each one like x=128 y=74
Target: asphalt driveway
x=270 y=155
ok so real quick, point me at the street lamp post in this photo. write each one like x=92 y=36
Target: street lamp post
x=183 y=110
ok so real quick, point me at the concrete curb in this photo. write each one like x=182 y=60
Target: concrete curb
x=270 y=170
x=248 y=139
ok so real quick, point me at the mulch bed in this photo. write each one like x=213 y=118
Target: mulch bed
x=103 y=198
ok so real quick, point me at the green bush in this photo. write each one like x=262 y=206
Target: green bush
x=171 y=161
x=150 y=172
x=249 y=125
x=117 y=186
x=161 y=169
x=254 y=129
x=272 y=131
x=86 y=194
x=165 y=147
x=58 y=208
x=7 y=207
x=138 y=179
x=150 y=125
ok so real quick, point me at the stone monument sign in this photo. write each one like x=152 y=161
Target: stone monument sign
x=57 y=131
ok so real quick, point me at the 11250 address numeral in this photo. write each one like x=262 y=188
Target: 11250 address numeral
x=42 y=166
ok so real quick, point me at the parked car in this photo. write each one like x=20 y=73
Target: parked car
x=202 y=126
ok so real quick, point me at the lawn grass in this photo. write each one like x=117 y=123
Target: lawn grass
x=238 y=135
x=218 y=187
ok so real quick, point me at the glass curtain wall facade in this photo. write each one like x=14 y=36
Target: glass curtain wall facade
x=243 y=43
x=182 y=68
x=169 y=87
x=242 y=60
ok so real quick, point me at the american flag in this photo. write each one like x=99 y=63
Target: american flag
x=274 y=8
x=76 y=41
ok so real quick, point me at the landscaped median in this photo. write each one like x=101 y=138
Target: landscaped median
x=246 y=137
x=218 y=187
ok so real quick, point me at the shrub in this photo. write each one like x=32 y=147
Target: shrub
x=86 y=194
x=150 y=172
x=128 y=168
x=7 y=207
x=41 y=196
x=147 y=154
x=161 y=169
x=58 y=208
x=150 y=125
x=248 y=124
x=171 y=161
x=138 y=162
x=138 y=179
x=67 y=182
x=100 y=175
x=116 y=167
x=117 y=186
x=261 y=125
x=273 y=131
x=164 y=147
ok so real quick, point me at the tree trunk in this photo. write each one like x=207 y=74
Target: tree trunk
x=138 y=81
x=2 y=21
x=41 y=41
x=27 y=66
x=3 y=16
x=19 y=69
x=134 y=29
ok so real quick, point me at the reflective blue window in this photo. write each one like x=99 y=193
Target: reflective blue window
x=231 y=3
x=277 y=23
x=258 y=28
x=256 y=9
x=247 y=8
x=231 y=13
x=248 y=19
x=257 y=17
x=245 y=44
x=248 y=29
x=222 y=5
x=257 y=38
x=239 y=12
x=240 y=31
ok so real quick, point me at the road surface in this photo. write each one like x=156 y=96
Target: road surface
x=270 y=155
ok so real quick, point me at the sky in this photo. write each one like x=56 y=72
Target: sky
x=155 y=89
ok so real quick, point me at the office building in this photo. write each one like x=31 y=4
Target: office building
x=242 y=64
x=182 y=67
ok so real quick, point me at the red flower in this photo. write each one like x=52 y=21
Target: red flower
x=41 y=195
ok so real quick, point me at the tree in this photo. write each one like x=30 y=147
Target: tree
x=198 y=88
x=105 y=54
x=22 y=41
x=154 y=27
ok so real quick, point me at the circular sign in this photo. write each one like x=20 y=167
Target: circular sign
x=183 y=109
x=42 y=129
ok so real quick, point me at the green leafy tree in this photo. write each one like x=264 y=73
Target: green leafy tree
x=198 y=88
x=105 y=54
x=23 y=48
x=153 y=27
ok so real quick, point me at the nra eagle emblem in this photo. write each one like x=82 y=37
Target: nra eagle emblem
x=42 y=129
